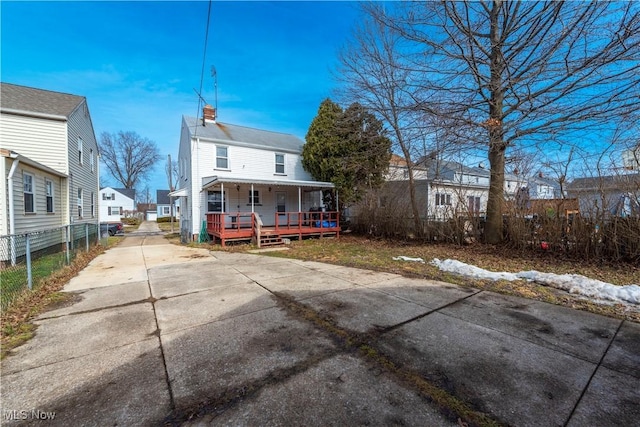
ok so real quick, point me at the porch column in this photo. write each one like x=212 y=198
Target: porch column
x=337 y=204
x=222 y=195
x=299 y=200
x=252 y=201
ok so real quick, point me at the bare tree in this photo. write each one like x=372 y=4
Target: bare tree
x=375 y=75
x=128 y=156
x=173 y=173
x=522 y=72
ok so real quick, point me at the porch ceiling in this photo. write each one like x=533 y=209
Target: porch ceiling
x=212 y=181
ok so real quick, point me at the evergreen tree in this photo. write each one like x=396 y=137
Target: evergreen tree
x=347 y=148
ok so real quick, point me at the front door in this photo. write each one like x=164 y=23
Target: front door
x=281 y=207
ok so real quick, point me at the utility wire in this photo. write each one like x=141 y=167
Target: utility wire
x=204 y=60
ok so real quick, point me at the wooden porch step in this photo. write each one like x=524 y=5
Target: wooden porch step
x=270 y=240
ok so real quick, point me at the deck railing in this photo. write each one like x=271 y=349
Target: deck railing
x=302 y=220
x=228 y=222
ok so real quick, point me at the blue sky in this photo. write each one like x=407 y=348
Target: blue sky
x=138 y=63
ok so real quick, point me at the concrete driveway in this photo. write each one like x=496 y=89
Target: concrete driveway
x=162 y=334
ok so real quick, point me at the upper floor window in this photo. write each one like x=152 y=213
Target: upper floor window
x=48 y=187
x=280 y=163
x=28 y=190
x=91 y=160
x=80 y=148
x=79 y=202
x=108 y=196
x=93 y=204
x=443 y=199
x=222 y=158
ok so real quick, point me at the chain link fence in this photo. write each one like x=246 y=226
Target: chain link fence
x=26 y=259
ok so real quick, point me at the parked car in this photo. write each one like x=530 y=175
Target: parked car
x=111 y=229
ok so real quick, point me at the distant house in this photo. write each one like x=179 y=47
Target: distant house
x=606 y=196
x=116 y=203
x=246 y=183
x=164 y=209
x=445 y=189
x=49 y=160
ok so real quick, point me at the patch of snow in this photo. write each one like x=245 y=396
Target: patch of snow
x=457 y=267
x=406 y=258
x=574 y=283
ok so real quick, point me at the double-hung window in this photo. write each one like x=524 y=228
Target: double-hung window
x=80 y=150
x=28 y=191
x=91 y=160
x=280 y=164
x=214 y=201
x=114 y=210
x=79 y=202
x=222 y=158
x=443 y=199
x=254 y=197
x=93 y=204
x=48 y=187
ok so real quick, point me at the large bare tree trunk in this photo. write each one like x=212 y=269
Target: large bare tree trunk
x=493 y=228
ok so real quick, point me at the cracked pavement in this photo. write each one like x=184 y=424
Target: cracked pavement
x=169 y=335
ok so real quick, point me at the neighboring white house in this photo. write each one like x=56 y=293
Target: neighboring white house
x=49 y=162
x=116 y=203
x=239 y=171
x=445 y=189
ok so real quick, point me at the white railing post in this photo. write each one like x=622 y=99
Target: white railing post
x=28 y=255
x=86 y=235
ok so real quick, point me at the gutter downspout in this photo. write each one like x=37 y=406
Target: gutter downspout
x=12 y=221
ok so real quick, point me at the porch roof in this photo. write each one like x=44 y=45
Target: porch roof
x=182 y=192
x=211 y=181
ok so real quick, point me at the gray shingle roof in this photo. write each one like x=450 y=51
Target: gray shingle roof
x=629 y=182
x=162 y=197
x=244 y=135
x=34 y=100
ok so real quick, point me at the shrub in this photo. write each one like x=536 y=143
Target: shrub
x=165 y=219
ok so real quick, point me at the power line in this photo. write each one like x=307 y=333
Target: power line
x=204 y=60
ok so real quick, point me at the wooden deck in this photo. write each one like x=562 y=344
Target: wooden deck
x=239 y=226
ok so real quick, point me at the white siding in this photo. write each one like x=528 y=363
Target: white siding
x=42 y=140
x=5 y=166
x=119 y=200
x=249 y=163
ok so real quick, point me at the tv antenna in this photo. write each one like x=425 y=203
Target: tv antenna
x=214 y=74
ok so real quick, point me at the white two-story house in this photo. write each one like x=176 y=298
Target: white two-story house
x=116 y=203
x=240 y=183
x=49 y=160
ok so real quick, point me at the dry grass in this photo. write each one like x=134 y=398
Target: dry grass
x=377 y=254
x=16 y=321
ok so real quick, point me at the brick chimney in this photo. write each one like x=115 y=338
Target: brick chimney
x=208 y=115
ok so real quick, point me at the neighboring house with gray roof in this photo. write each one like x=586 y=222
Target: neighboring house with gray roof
x=164 y=202
x=605 y=196
x=49 y=162
x=240 y=171
x=116 y=203
x=444 y=189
